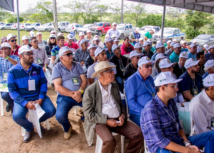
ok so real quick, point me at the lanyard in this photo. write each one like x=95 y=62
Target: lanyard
x=28 y=73
x=153 y=94
x=170 y=115
x=194 y=84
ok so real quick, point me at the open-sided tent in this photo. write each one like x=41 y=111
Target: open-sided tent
x=7 y=5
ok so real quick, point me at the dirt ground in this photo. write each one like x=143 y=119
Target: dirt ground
x=11 y=140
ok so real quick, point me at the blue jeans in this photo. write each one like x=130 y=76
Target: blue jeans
x=19 y=112
x=6 y=97
x=200 y=140
x=135 y=118
x=64 y=105
x=120 y=83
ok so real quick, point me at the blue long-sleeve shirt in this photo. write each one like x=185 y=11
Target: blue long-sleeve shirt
x=17 y=80
x=137 y=94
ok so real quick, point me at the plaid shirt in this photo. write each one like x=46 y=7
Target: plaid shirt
x=80 y=55
x=158 y=124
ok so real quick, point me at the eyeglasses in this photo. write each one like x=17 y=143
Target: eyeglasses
x=148 y=66
x=138 y=57
x=52 y=38
x=29 y=53
x=36 y=41
x=68 y=54
x=13 y=40
x=97 y=41
x=109 y=70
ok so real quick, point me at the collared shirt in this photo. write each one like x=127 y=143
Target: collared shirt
x=209 y=56
x=201 y=110
x=169 y=52
x=90 y=40
x=111 y=32
x=5 y=65
x=18 y=83
x=15 y=52
x=81 y=55
x=129 y=70
x=68 y=76
x=126 y=49
x=148 y=35
x=184 y=49
x=73 y=45
x=190 y=55
x=108 y=106
x=109 y=55
x=40 y=56
x=159 y=124
x=153 y=49
x=174 y=57
x=138 y=92
x=149 y=54
x=55 y=51
x=42 y=44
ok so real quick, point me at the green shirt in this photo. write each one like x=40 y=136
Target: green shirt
x=148 y=35
x=153 y=49
x=174 y=57
x=165 y=45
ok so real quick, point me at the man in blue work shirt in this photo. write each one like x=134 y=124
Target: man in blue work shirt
x=193 y=51
x=161 y=126
x=135 y=36
x=55 y=50
x=28 y=87
x=140 y=89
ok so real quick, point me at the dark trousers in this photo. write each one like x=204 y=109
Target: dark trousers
x=6 y=97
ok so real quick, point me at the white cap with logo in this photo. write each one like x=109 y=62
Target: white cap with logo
x=5 y=44
x=108 y=39
x=115 y=46
x=209 y=63
x=169 y=41
x=38 y=33
x=25 y=37
x=159 y=56
x=144 y=60
x=32 y=34
x=81 y=34
x=70 y=36
x=138 y=45
x=52 y=36
x=206 y=46
x=98 y=51
x=24 y=48
x=88 y=31
x=114 y=23
x=176 y=45
x=192 y=45
x=159 y=45
x=9 y=36
x=191 y=62
x=92 y=46
x=135 y=53
x=165 y=78
x=208 y=81
x=65 y=49
x=165 y=63
x=184 y=55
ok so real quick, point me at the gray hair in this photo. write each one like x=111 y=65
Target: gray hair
x=207 y=68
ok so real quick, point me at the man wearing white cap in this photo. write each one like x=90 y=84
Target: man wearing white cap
x=191 y=83
x=70 y=42
x=131 y=68
x=168 y=44
x=70 y=82
x=82 y=53
x=201 y=108
x=81 y=36
x=159 y=49
x=89 y=36
x=147 y=49
x=28 y=87
x=100 y=55
x=148 y=35
x=141 y=41
x=90 y=59
x=138 y=47
x=25 y=40
x=140 y=89
x=113 y=30
x=135 y=36
x=105 y=113
x=183 y=46
x=6 y=62
x=193 y=51
x=179 y=68
x=205 y=48
x=174 y=57
x=116 y=41
x=113 y=36
x=208 y=68
x=120 y=61
x=161 y=126
x=200 y=56
x=11 y=39
x=156 y=69
x=55 y=50
x=169 y=51
x=41 y=43
x=97 y=41
x=31 y=34
x=108 y=48
x=210 y=54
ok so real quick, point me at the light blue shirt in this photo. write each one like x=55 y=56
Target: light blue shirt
x=190 y=55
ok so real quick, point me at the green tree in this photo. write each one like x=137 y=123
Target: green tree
x=116 y=12
x=101 y=11
x=151 y=20
x=4 y=14
x=75 y=8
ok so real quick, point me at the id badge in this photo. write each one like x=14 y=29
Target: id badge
x=4 y=76
x=75 y=81
x=212 y=124
x=39 y=61
x=122 y=69
x=31 y=85
x=195 y=91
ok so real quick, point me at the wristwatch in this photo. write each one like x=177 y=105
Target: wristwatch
x=81 y=91
x=186 y=143
x=7 y=57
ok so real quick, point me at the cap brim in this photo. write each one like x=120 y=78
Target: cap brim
x=175 y=81
x=95 y=73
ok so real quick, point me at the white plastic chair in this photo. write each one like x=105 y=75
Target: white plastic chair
x=2 y=105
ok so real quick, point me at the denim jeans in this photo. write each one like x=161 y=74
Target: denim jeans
x=135 y=118
x=200 y=140
x=19 y=112
x=64 y=105
x=6 y=97
x=120 y=83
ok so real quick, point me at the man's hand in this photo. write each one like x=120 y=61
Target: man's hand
x=136 y=40
x=3 y=54
x=192 y=149
x=121 y=119
x=77 y=96
x=112 y=123
x=39 y=101
x=82 y=63
x=44 y=69
x=30 y=105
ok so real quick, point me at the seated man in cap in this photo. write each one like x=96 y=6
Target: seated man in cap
x=201 y=108
x=210 y=54
x=148 y=35
x=200 y=56
x=208 y=68
x=139 y=89
x=6 y=62
x=116 y=41
x=100 y=55
x=131 y=68
x=168 y=44
x=126 y=47
x=138 y=47
x=159 y=49
x=113 y=30
x=156 y=69
x=147 y=49
x=120 y=61
x=174 y=57
x=105 y=113
x=161 y=126
x=41 y=43
x=55 y=50
x=205 y=48
x=39 y=54
x=89 y=36
x=90 y=59
x=82 y=53
x=184 y=46
x=70 y=82
x=113 y=36
x=97 y=41
x=70 y=42
x=135 y=36
x=81 y=37
x=179 y=68
x=28 y=87
x=108 y=47
x=193 y=51
x=11 y=39
x=169 y=51
x=191 y=83
x=26 y=40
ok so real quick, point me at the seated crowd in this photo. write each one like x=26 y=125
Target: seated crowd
x=93 y=74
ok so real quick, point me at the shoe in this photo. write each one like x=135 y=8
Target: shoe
x=27 y=136
x=67 y=135
x=42 y=128
x=8 y=108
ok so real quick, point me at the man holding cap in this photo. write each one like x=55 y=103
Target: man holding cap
x=147 y=49
x=70 y=42
x=193 y=51
x=179 y=68
x=161 y=126
x=97 y=41
x=174 y=57
x=28 y=87
x=120 y=61
x=82 y=53
x=201 y=108
x=25 y=40
x=210 y=54
x=100 y=55
x=108 y=47
x=11 y=39
x=138 y=47
x=41 y=43
x=105 y=113
x=159 y=49
x=90 y=59
x=113 y=30
x=148 y=35
x=191 y=83
x=135 y=36
x=6 y=62
x=81 y=36
x=126 y=47
x=208 y=68
x=70 y=82
x=131 y=68
x=139 y=89
x=89 y=36
x=55 y=50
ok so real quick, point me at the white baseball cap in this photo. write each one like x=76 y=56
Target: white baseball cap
x=138 y=45
x=38 y=33
x=146 y=43
x=52 y=32
x=5 y=44
x=116 y=39
x=96 y=38
x=210 y=47
x=144 y=60
x=141 y=38
x=192 y=45
x=176 y=45
x=159 y=56
x=191 y=62
x=83 y=40
x=108 y=39
x=52 y=36
x=208 y=81
x=114 y=23
x=113 y=36
x=135 y=53
x=159 y=45
x=92 y=46
x=70 y=36
x=165 y=63
x=107 y=35
x=60 y=34
x=183 y=42
x=172 y=44
x=32 y=34
x=24 y=48
x=115 y=46
x=81 y=34
x=165 y=78
x=64 y=49
x=209 y=63
x=194 y=41
x=25 y=37
x=206 y=46
x=9 y=36
x=184 y=55
x=174 y=40
x=169 y=41
x=98 y=51
x=88 y=31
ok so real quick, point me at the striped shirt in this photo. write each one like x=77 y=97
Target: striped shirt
x=17 y=80
x=80 y=55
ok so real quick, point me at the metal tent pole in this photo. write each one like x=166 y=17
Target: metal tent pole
x=17 y=1
x=163 y=20
x=121 y=11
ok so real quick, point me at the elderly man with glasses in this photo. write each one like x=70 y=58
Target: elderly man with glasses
x=11 y=39
x=105 y=113
x=140 y=89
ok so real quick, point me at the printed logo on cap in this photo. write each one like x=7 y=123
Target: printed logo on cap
x=210 y=82
x=148 y=59
x=193 y=59
x=162 y=80
x=168 y=61
x=183 y=54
